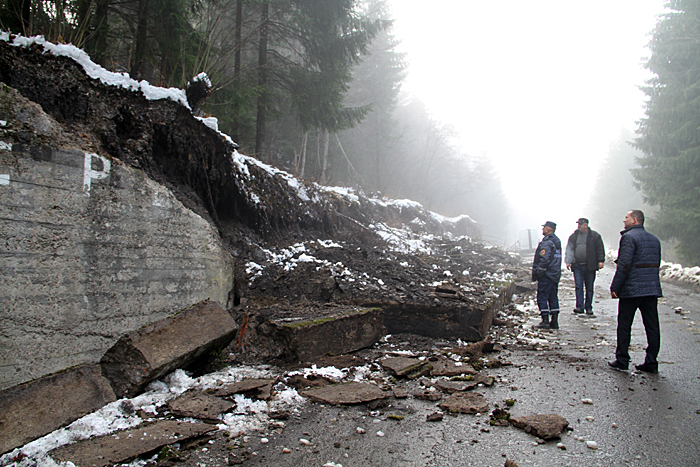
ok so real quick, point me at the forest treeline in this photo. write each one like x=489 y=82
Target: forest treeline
x=658 y=168
x=310 y=86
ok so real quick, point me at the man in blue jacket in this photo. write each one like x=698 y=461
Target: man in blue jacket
x=546 y=270
x=636 y=283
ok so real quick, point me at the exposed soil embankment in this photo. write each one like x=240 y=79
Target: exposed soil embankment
x=297 y=245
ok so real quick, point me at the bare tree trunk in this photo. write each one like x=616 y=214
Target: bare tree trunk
x=318 y=148
x=141 y=35
x=238 y=45
x=303 y=154
x=238 y=41
x=100 y=32
x=262 y=82
x=17 y=20
x=323 y=178
x=59 y=21
x=351 y=168
x=300 y=158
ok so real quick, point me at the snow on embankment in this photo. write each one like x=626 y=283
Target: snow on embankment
x=669 y=271
x=676 y=272
x=236 y=189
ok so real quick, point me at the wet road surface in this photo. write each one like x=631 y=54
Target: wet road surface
x=636 y=419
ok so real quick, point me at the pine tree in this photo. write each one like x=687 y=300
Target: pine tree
x=614 y=193
x=669 y=134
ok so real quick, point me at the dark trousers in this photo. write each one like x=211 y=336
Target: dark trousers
x=626 y=310
x=547 y=296
x=584 y=279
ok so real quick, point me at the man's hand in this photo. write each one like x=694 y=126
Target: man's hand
x=601 y=265
x=613 y=294
x=568 y=266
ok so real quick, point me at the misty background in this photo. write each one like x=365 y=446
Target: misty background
x=512 y=113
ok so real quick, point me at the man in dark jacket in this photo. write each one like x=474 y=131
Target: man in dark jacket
x=546 y=270
x=585 y=255
x=636 y=283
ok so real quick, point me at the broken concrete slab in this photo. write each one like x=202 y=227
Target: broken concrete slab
x=301 y=382
x=347 y=393
x=547 y=426
x=524 y=286
x=334 y=335
x=465 y=402
x=467 y=322
x=255 y=387
x=465 y=383
x=31 y=410
x=294 y=334
x=198 y=405
x=443 y=366
x=411 y=368
x=123 y=446
x=155 y=350
x=428 y=396
x=450 y=387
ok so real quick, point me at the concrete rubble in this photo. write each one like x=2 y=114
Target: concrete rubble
x=31 y=410
x=258 y=388
x=386 y=378
x=465 y=402
x=126 y=445
x=196 y=404
x=347 y=393
x=137 y=359
x=155 y=350
x=547 y=426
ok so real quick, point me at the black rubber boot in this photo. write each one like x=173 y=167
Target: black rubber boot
x=554 y=323
x=545 y=322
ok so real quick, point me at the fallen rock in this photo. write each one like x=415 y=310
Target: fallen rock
x=198 y=405
x=31 y=410
x=123 y=446
x=346 y=393
x=399 y=393
x=499 y=417
x=524 y=287
x=435 y=417
x=155 y=350
x=443 y=366
x=451 y=387
x=465 y=402
x=428 y=396
x=457 y=385
x=411 y=368
x=258 y=388
x=543 y=426
x=301 y=382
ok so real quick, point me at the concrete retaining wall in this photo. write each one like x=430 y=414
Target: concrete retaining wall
x=91 y=249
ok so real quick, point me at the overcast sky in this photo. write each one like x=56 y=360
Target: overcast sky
x=540 y=87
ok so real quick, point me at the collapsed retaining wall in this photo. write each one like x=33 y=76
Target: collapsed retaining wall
x=294 y=336
x=91 y=248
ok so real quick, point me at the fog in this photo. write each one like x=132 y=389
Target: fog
x=540 y=88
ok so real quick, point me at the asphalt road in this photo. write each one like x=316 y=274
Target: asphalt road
x=636 y=419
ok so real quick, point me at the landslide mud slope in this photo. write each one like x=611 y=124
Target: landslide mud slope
x=295 y=243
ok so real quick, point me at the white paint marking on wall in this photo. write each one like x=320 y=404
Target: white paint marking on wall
x=89 y=174
x=4 y=179
x=5 y=146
